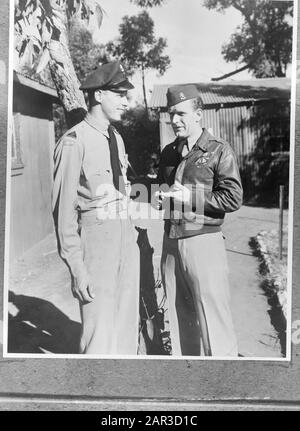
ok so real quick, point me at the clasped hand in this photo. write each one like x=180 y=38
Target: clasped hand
x=178 y=192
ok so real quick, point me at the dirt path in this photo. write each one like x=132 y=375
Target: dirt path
x=45 y=317
x=251 y=311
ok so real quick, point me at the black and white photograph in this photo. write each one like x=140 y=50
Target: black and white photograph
x=150 y=180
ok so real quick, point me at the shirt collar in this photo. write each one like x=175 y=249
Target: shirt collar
x=201 y=143
x=101 y=126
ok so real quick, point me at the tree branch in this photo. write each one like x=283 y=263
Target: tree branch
x=239 y=8
x=231 y=73
x=247 y=17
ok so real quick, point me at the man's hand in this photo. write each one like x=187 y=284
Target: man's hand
x=82 y=289
x=180 y=194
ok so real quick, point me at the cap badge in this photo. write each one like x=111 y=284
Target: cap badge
x=182 y=96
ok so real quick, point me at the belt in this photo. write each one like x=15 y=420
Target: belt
x=89 y=218
x=95 y=216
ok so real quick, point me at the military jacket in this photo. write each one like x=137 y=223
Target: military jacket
x=211 y=173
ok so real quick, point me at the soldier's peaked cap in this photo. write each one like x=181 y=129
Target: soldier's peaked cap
x=109 y=76
x=180 y=93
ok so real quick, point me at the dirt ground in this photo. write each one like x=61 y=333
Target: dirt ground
x=44 y=316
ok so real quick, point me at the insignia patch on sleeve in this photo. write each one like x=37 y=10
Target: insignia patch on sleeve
x=69 y=138
x=72 y=135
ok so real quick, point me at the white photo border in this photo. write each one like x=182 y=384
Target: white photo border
x=53 y=356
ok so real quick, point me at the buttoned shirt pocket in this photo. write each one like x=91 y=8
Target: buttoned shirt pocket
x=97 y=180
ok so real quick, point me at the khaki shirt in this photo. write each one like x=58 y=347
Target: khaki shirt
x=83 y=181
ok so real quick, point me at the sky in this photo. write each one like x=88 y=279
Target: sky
x=194 y=34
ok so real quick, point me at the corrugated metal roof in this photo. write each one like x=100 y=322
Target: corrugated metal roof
x=231 y=92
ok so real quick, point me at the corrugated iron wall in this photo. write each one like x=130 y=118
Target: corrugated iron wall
x=211 y=121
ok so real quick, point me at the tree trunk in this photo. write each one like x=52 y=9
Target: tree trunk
x=144 y=92
x=64 y=76
x=279 y=71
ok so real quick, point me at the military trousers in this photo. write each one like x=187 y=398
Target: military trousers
x=110 y=323
x=195 y=276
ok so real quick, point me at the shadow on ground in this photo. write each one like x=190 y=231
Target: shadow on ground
x=40 y=327
x=154 y=339
x=36 y=325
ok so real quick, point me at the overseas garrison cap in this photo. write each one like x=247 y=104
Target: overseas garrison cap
x=109 y=76
x=180 y=93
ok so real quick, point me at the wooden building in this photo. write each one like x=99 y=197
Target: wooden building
x=253 y=116
x=31 y=164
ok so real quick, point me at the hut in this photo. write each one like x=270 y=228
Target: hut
x=33 y=141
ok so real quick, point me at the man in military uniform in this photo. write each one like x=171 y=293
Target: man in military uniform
x=96 y=237
x=205 y=184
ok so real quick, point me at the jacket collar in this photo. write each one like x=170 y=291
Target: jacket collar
x=201 y=143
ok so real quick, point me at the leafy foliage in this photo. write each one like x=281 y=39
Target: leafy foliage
x=148 y=3
x=85 y=54
x=263 y=43
x=137 y=46
x=264 y=40
x=141 y=137
x=38 y=22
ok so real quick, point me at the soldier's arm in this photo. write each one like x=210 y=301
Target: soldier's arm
x=67 y=167
x=227 y=192
x=167 y=165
